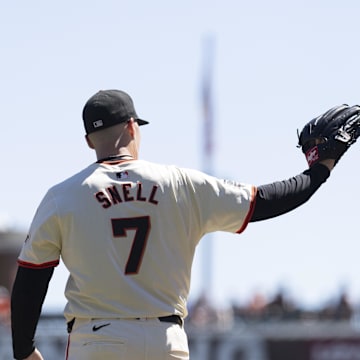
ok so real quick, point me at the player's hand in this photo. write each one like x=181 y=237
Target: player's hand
x=329 y=163
x=35 y=355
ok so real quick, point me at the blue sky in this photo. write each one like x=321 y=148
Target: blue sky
x=276 y=65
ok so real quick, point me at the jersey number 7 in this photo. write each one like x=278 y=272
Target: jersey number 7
x=141 y=225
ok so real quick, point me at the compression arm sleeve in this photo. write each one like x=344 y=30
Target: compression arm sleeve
x=28 y=294
x=283 y=196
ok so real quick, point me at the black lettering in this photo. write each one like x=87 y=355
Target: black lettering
x=114 y=194
x=126 y=192
x=102 y=199
x=139 y=196
x=152 y=195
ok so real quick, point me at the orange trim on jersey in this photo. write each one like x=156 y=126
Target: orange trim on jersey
x=45 y=265
x=67 y=348
x=251 y=210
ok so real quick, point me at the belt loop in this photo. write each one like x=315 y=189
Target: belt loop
x=70 y=325
x=175 y=319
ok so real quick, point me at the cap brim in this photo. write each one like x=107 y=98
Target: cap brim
x=142 y=122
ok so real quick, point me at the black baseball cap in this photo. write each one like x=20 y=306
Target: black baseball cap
x=107 y=108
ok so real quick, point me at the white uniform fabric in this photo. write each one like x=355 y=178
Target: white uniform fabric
x=127 y=340
x=127 y=233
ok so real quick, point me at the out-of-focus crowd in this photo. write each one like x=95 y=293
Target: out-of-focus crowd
x=4 y=306
x=278 y=308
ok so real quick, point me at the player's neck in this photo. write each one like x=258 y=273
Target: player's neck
x=112 y=152
x=115 y=157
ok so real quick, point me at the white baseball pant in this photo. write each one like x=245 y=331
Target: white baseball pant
x=127 y=339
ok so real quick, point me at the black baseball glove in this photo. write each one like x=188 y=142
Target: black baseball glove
x=329 y=135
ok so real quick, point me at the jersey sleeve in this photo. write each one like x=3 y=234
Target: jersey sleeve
x=222 y=205
x=42 y=246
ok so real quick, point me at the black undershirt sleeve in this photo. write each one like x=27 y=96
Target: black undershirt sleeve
x=28 y=294
x=283 y=196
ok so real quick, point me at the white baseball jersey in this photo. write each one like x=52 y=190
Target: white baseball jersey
x=127 y=233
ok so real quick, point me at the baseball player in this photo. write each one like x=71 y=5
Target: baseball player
x=127 y=230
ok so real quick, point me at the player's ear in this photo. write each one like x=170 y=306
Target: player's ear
x=89 y=142
x=131 y=127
